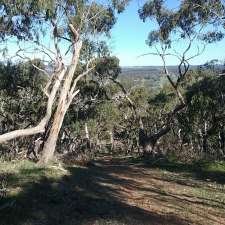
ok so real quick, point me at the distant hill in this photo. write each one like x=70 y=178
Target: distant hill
x=138 y=70
x=152 y=76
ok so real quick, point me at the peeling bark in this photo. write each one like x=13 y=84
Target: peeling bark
x=66 y=96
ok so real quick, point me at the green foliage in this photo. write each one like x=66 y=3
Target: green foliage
x=25 y=19
x=107 y=113
x=18 y=76
x=21 y=18
x=22 y=103
x=160 y=99
x=93 y=49
x=204 y=117
x=107 y=67
x=184 y=20
x=120 y=4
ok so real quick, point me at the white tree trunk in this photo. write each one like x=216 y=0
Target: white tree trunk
x=65 y=100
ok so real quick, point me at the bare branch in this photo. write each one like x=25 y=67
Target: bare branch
x=74 y=32
x=40 y=128
x=131 y=103
x=42 y=70
x=71 y=92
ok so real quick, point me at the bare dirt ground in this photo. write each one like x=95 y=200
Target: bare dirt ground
x=115 y=192
x=164 y=197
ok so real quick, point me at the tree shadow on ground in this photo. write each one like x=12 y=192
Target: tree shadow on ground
x=199 y=170
x=84 y=197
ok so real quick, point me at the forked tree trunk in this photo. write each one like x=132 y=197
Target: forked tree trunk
x=64 y=103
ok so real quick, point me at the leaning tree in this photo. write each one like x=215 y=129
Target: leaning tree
x=66 y=26
x=192 y=25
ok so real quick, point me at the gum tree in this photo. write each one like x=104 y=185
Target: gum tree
x=67 y=24
x=193 y=23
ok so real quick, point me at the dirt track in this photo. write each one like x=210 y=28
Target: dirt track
x=112 y=192
x=153 y=196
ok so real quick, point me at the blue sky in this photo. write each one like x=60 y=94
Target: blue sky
x=128 y=41
x=130 y=33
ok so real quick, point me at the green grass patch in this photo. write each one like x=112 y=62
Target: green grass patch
x=211 y=167
x=203 y=170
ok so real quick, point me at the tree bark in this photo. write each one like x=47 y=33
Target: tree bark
x=87 y=137
x=50 y=144
x=111 y=140
x=66 y=96
x=148 y=142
